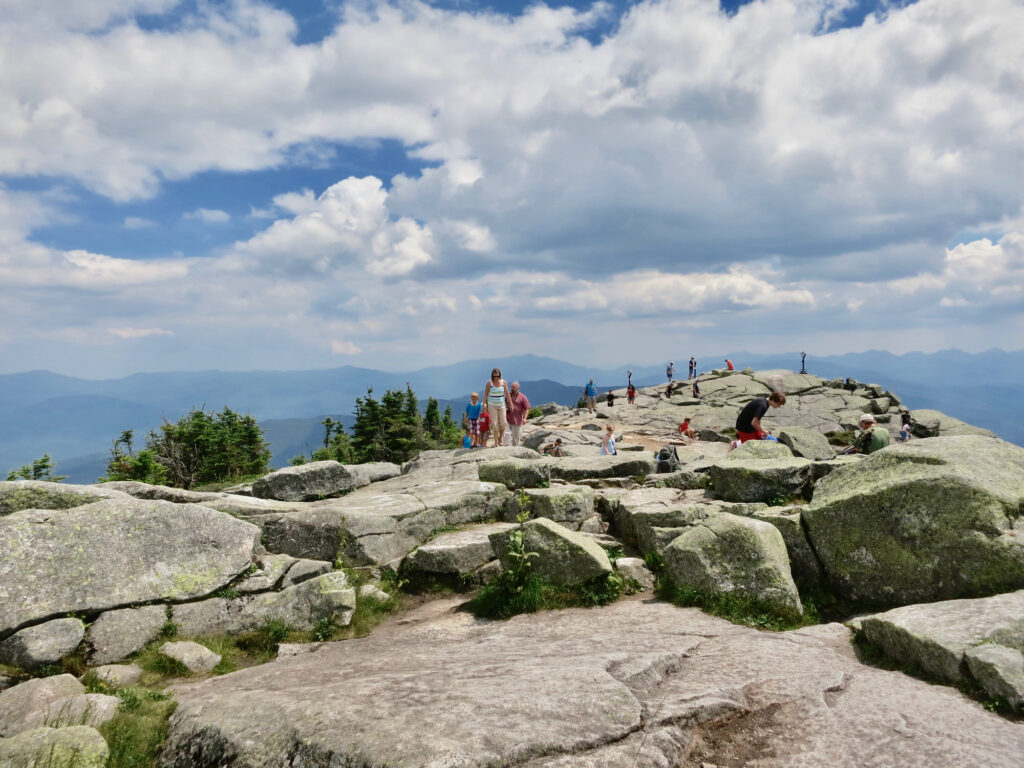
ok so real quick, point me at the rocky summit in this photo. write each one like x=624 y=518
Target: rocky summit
x=875 y=604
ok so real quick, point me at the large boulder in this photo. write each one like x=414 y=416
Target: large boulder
x=568 y=504
x=113 y=553
x=806 y=443
x=452 y=555
x=734 y=556
x=93 y=709
x=79 y=746
x=25 y=703
x=760 y=450
x=17 y=495
x=380 y=524
x=923 y=521
x=516 y=473
x=630 y=464
x=161 y=492
x=564 y=557
x=956 y=640
x=635 y=683
x=117 y=634
x=925 y=422
x=762 y=480
x=301 y=607
x=41 y=644
x=321 y=480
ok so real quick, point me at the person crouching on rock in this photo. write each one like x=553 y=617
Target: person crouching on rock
x=748 y=423
x=553 y=449
x=871 y=437
x=685 y=430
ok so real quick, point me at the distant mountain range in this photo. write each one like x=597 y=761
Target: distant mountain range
x=75 y=420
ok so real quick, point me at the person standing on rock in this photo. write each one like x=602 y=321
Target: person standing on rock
x=696 y=388
x=590 y=393
x=871 y=437
x=472 y=418
x=693 y=366
x=608 y=442
x=497 y=397
x=631 y=395
x=670 y=371
x=518 y=412
x=748 y=423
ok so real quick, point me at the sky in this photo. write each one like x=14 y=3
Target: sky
x=303 y=184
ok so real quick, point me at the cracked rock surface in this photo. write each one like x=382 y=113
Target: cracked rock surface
x=636 y=683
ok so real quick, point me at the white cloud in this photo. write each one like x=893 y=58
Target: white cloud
x=344 y=348
x=208 y=215
x=139 y=333
x=739 y=171
x=136 y=222
x=348 y=224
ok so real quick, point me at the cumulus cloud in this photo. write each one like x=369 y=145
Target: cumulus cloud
x=349 y=224
x=139 y=333
x=344 y=348
x=136 y=222
x=208 y=216
x=721 y=172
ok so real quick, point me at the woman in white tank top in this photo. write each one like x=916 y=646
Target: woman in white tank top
x=497 y=397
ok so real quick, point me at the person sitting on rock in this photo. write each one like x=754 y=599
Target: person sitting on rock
x=871 y=437
x=553 y=449
x=608 y=442
x=904 y=428
x=685 y=430
x=748 y=423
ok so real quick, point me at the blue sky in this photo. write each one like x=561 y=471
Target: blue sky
x=244 y=184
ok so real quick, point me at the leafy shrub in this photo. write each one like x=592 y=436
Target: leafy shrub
x=40 y=469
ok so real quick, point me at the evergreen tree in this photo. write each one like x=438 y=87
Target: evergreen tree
x=40 y=469
x=199 y=448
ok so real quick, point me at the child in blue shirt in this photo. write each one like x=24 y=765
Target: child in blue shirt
x=473 y=419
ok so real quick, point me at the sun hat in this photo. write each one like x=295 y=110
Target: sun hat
x=868 y=417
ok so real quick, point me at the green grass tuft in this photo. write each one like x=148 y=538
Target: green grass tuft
x=739 y=610
x=138 y=730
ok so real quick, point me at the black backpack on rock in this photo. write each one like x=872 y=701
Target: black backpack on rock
x=668 y=459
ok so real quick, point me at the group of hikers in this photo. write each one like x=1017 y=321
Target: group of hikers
x=505 y=409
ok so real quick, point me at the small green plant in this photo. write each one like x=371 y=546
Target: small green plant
x=655 y=563
x=615 y=553
x=228 y=593
x=138 y=730
x=168 y=630
x=737 y=609
x=264 y=641
x=535 y=413
x=518 y=589
x=324 y=630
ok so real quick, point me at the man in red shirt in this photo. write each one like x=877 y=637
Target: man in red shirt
x=518 y=412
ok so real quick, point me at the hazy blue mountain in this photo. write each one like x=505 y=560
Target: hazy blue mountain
x=75 y=420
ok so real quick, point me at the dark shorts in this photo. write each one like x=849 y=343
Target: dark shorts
x=474 y=426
